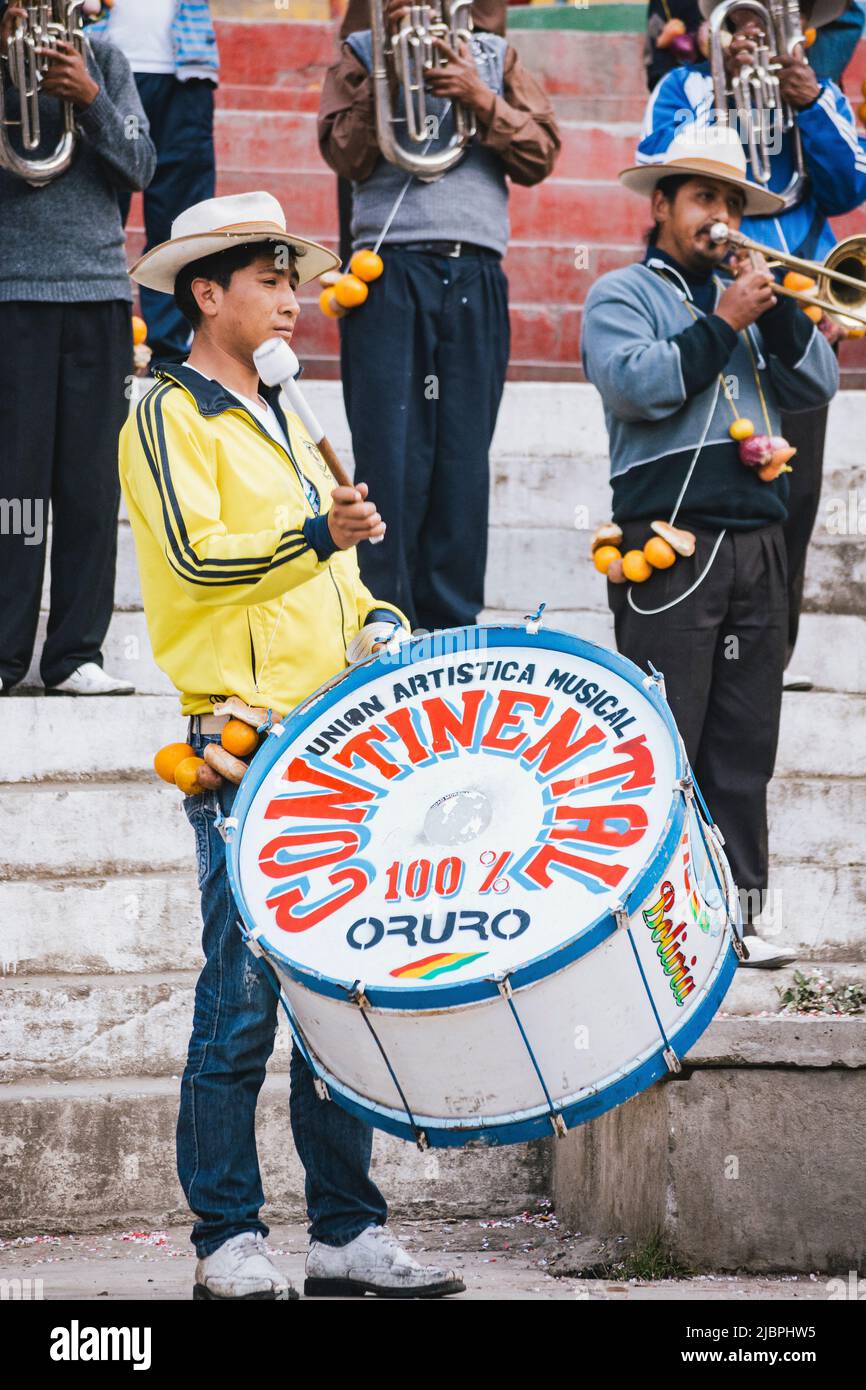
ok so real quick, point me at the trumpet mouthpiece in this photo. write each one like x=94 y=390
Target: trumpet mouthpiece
x=719 y=232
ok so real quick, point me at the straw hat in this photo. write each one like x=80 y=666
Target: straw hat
x=715 y=152
x=219 y=223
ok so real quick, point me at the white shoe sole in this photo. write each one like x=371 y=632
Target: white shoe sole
x=85 y=694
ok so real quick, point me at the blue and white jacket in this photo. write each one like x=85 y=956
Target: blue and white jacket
x=835 y=158
x=194 y=37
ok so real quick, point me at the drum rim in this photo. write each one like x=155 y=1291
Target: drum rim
x=433 y=996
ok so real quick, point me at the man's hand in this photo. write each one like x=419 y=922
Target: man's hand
x=740 y=52
x=458 y=80
x=750 y=295
x=352 y=518
x=7 y=25
x=798 y=84
x=67 y=76
x=832 y=331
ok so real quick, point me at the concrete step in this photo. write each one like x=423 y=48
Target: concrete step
x=127 y=652
x=751 y=1158
x=82 y=1155
x=69 y=1028
x=113 y=925
x=116 y=737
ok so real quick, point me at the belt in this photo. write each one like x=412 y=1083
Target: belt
x=207 y=724
x=445 y=248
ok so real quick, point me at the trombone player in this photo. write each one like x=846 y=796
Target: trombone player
x=810 y=155
x=424 y=357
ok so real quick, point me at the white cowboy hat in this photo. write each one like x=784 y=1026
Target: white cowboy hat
x=219 y=223
x=818 y=13
x=715 y=152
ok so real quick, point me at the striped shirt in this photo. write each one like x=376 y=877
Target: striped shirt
x=193 y=36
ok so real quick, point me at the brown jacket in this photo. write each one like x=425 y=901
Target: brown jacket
x=520 y=126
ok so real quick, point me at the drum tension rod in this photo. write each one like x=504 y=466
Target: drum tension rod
x=226 y=825
x=503 y=984
x=533 y=620
x=357 y=995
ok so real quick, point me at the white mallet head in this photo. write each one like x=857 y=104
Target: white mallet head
x=275 y=362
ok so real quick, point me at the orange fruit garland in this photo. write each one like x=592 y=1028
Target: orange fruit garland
x=350 y=291
x=605 y=556
x=186 y=775
x=239 y=738
x=659 y=554
x=367 y=265
x=329 y=306
x=635 y=566
x=168 y=758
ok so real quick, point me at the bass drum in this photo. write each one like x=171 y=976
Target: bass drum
x=479 y=869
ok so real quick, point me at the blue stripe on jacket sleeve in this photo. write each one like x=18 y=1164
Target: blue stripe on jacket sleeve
x=317 y=533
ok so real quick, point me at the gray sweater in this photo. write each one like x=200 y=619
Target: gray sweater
x=64 y=243
x=632 y=321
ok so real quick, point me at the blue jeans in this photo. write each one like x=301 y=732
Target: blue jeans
x=233 y=1030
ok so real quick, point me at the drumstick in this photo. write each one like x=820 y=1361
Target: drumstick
x=277 y=365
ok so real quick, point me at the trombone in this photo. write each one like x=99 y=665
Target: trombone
x=840 y=288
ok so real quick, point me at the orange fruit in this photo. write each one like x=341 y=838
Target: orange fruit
x=813 y=312
x=329 y=306
x=795 y=281
x=139 y=330
x=186 y=775
x=605 y=556
x=659 y=554
x=861 y=110
x=350 y=291
x=741 y=428
x=239 y=738
x=635 y=566
x=367 y=265
x=168 y=758
x=809 y=37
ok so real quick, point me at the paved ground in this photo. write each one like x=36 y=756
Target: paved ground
x=505 y=1259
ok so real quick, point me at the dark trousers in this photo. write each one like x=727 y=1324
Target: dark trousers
x=722 y=653
x=423 y=364
x=806 y=431
x=181 y=127
x=64 y=374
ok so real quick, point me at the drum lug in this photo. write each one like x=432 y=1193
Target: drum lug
x=253 y=945
x=673 y=1062
x=226 y=825
x=533 y=620
x=503 y=984
x=656 y=678
x=276 y=730
x=621 y=917
x=358 y=996
x=321 y=1089
x=740 y=949
x=559 y=1126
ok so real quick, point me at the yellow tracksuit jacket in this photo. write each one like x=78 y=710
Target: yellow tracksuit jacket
x=244 y=591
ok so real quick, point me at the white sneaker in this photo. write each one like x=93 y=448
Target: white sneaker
x=240 y=1268
x=764 y=956
x=374 y=1263
x=797 y=681
x=90 y=679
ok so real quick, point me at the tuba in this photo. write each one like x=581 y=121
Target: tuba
x=412 y=55
x=46 y=23
x=754 y=93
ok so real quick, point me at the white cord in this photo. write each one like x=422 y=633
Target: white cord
x=649 y=612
